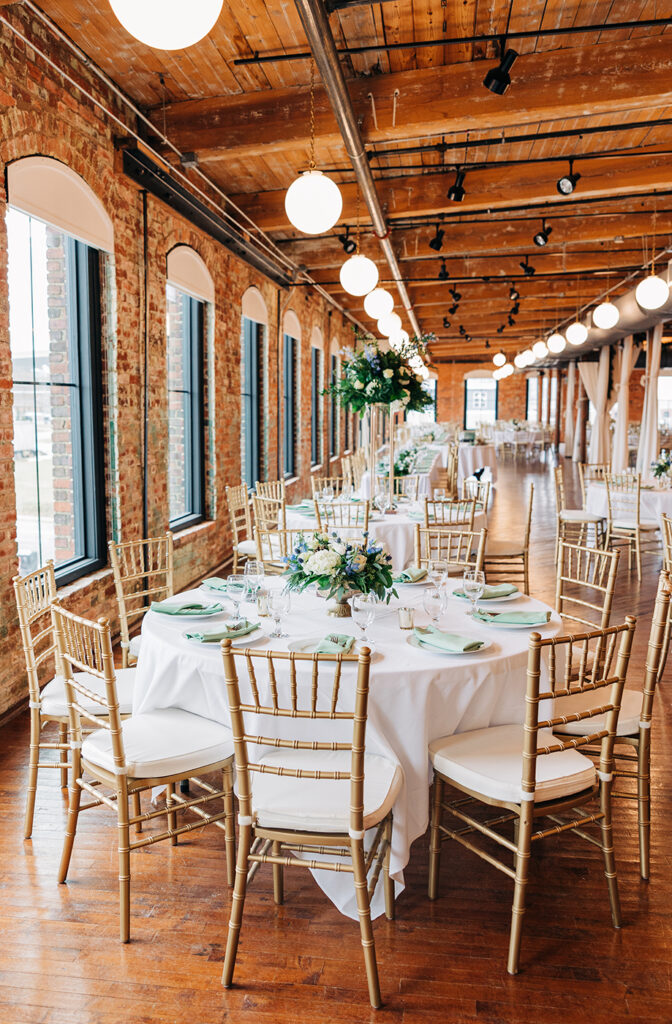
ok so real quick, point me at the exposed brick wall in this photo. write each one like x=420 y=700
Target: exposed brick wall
x=450 y=392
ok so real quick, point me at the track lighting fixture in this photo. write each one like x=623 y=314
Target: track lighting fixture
x=349 y=244
x=500 y=329
x=511 y=321
x=526 y=267
x=443 y=270
x=446 y=323
x=487 y=343
x=467 y=337
x=456 y=191
x=436 y=243
x=515 y=309
x=455 y=295
x=498 y=79
x=567 y=183
x=463 y=330
x=541 y=237
x=514 y=294
x=453 y=309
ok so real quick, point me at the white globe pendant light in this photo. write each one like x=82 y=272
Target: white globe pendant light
x=499 y=359
x=539 y=350
x=576 y=333
x=652 y=292
x=528 y=356
x=359 y=275
x=313 y=203
x=167 y=24
x=498 y=373
x=378 y=303
x=399 y=339
x=520 y=360
x=389 y=324
x=556 y=343
x=606 y=316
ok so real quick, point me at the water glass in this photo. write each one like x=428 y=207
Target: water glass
x=434 y=603
x=363 y=612
x=236 y=590
x=279 y=603
x=254 y=573
x=473 y=584
x=437 y=570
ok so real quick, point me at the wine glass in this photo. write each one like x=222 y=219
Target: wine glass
x=363 y=612
x=236 y=590
x=434 y=603
x=382 y=501
x=279 y=603
x=328 y=493
x=437 y=570
x=254 y=574
x=473 y=584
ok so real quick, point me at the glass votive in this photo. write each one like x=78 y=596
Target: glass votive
x=405 y=618
x=262 y=601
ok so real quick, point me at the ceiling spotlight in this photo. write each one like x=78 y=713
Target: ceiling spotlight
x=567 y=183
x=436 y=243
x=514 y=294
x=456 y=191
x=349 y=244
x=515 y=309
x=446 y=323
x=556 y=343
x=443 y=270
x=652 y=292
x=378 y=303
x=463 y=330
x=453 y=309
x=456 y=296
x=500 y=329
x=467 y=337
x=541 y=237
x=487 y=343
x=511 y=321
x=526 y=267
x=539 y=350
x=499 y=358
x=606 y=316
x=576 y=333
x=498 y=79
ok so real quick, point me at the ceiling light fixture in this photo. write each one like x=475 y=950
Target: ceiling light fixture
x=398 y=340
x=526 y=267
x=446 y=323
x=453 y=309
x=556 y=343
x=456 y=192
x=541 y=237
x=567 y=183
x=443 y=274
x=348 y=243
x=576 y=333
x=528 y=355
x=455 y=295
x=499 y=358
x=498 y=79
x=514 y=294
x=539 y=350
x=359 y=274
x=436 y=243
x=378 y=303
x=652 y=292
x=389 y=325
x=167 y=24
x=606 y=316
x=519 y=360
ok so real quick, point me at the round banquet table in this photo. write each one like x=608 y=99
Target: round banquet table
x=416 y=696
x=476 y=456
x=652 y=502
x=395 y=532
x=430 y=458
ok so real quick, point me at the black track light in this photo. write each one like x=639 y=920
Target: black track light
x=443 y=270
x=463 y=330
x=456 y=191
x=514 y=294
x=436 y=243
x=527 y=268
x=348 y=243
x=498 y=79
x=446 y=323
x=453 y=309
x=487 y=343
x=500 y=329
x=456 y=296
x=541 y=237
x=467 y=337
x=515 y=309
x=567 y=183
x=511 y=321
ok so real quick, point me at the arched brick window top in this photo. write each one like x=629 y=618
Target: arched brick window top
x=186 y=270
x=254 y=306
x=291 y=325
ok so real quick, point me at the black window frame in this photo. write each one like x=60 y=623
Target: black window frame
x=193 y=324
x=289 y=384
x=253 y=357
x=465 y=395
x=527 y=398
x=333 y=410
x=315 y=439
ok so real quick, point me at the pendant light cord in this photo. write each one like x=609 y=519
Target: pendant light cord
x=311 y=161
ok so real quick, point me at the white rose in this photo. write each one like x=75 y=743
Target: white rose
x=371 y=387
x=388 y=373
x=338 y=548
x=358 y=385
x=323 y=563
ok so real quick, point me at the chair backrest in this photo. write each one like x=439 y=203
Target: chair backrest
x=655 y=647
x=342 y=515
x=143 y=572
x=318 y=484
x=602 y=661
x=34 y=594
x=461 y=549
x=584 y=584
x=85 y=646
x=667 y=540
x=358 y=463
x=296 y=688
x=479 y=490
x=559 y=482
x=623 y=497
x=589 y=472
x=528 y=522
x=271 y=489
x=238 y=500
x=346 y=470
x=273 y=546
x=404 y=486
x=269 y=513
x=450 y=512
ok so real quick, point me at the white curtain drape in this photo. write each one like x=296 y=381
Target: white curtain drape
x=595 y=377
x=624 y=364
x=648 y=438
x=569 y=409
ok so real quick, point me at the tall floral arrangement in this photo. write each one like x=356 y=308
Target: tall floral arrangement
x=372 y=376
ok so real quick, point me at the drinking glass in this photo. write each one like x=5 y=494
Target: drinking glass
x=434 y=603
x=437 y=570
x=236 y=590
x=382 y=501
x=254 y=574
x=279 y=603
x=363 y=612
x=328 y=493
x=473 y=584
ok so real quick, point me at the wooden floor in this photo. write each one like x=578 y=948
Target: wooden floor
x=61 y=961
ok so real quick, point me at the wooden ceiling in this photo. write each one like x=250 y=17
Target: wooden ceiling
x=602 y=97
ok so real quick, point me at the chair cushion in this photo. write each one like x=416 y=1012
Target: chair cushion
x=246 y=547
x=503 y=549
x=163 y=743
x=134 y=646
x=490 y=762
x=53 y=700
x=321 y=805
x=631 y=524
x=580 y=515
x=628 y=718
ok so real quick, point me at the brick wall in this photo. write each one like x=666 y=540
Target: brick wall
x=450 y=392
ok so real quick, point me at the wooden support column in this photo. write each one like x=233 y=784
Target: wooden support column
x=558 y=408
x=582 y=419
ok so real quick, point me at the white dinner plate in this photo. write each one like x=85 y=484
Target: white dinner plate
x=512 y=625
x=414 y=642
x=309 y=645
x=489 y=600
x=255 y=637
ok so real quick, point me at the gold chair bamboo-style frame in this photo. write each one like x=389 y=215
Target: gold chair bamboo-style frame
x=585 y=582
x=624 y=521
x=269 y=513
x=404 y=486
x=297 y=695
x=240 y=517
x=461 y=549
x=666 y=529
x=477 y=490
x=318 y=484
x=86 y=646
x=342 y=515
x=611 y=650
x=143 y=572
x=589 y=473
x=271 y=489
x=575 y=524
x=451 y=512
x=505 y=561
x=273 y=546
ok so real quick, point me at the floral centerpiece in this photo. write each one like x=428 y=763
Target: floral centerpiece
x=374 y=377
x=662 y=468
x=340 y=568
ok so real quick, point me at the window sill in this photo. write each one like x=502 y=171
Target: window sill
x=316 y=468
x=189 y=530
x=78 y=585
x=334 y=458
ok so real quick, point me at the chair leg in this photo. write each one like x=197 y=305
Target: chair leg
x=638 y=549
x=63 y=754
x=237 y=904
x=364 y=910
x=644 y=801
x=526 y=572
x=137 y=811
x=522 y=859
x=666 y=647
x=278 y=897
x=32 y=771
x=387 y=880
x=608 y=852
x=124 y=839
x=229 y=826
x=170 y=811
x=435 y=839
x=73 y=814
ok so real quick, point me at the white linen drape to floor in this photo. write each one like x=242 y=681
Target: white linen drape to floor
x=569 y=409
x=648 y=438
x=595 y=377
x=624 y=364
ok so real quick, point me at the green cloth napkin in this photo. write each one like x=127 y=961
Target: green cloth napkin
x=303 y=506
x=335 y=643
x=514 y=618
x=411 y=575
x=173 y=607
x=215 y=583
x=501 y=590
x=431 y=636
x=213 y=636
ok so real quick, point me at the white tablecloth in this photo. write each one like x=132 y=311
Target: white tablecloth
x=426 y=482
x=475 y=456
x=415 y=696
x=652 y=503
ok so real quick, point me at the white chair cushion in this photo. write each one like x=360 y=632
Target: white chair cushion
x=631 y=524
x=162 y=743
x=579 y=515
x=321 y=805
x=53 y=700
x=628 y=718
x=246 y=547
x=134 y=646
x=490 y=762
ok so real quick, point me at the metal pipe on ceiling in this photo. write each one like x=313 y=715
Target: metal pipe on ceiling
x=318 y=32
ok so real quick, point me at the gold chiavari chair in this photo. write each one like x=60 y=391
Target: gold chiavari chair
x=461 y=549
x=666 y=528
x=591 y=472
x=271 y=489
x=450 y=512
x=506 y=561
x=143 y=572
x=404 y=486
x=624 y=520
x=304 y=794
x=346 y=470
x=47 y=700
x=585 y=581
x=119 y=760
x=634 y=725
x=358 y=463
x=318 y=484
x=240 y=517
x=478 y=490
x=269 y=513
x=529 y=773
x=575 y=524
x=273 y=546
x=342 y=515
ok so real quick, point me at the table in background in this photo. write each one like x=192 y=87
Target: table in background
x=476 y=456
x=427 y=478
x=652 y=503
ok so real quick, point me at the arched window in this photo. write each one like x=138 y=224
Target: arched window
x=291 y=341
x=253 y=384
x=189 y=288
x=56 y=229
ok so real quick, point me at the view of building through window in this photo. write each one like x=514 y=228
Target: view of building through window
x=480 y=401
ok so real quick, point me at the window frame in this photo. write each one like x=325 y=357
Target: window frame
x=315 y=438
x=528 y=382
x=466 y=397
x=333 y=410
x=289 y=390
x=251 y=398
x=193 y=329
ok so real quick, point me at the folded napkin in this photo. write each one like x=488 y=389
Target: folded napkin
x=420 y=516
x=489 y=593
x=304 y=506
x=411 y=575
x=174 y=606
x=213 y=636
x=431 y=636
x=215 y=583
x=335 y=643
x=514 y=618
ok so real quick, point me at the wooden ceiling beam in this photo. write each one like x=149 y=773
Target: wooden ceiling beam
x=571 y=82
